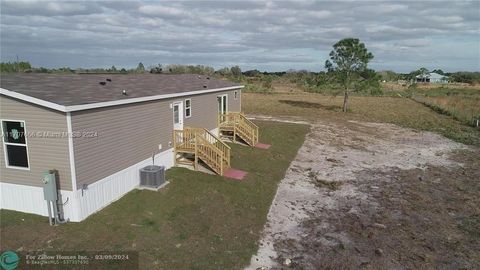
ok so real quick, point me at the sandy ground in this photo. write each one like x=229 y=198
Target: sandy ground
x=369 y=195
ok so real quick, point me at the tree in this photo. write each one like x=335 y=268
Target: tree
x=252 y=73
x=388 y=75
x=369 y=81
x=15 y=66
x=224 y=71
x=236 y=71
x=423 y=72
x=349 y=58
x=156 y=69
x=438 y=71
x=140 y=68
x=466 y=77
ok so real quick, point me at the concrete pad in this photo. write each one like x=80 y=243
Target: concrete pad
x=235 y=174
x=262 y=145
x=153 y=188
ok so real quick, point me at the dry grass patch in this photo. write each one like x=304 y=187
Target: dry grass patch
x=396 y=110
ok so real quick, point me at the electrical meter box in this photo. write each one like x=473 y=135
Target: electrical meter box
x=49 y=185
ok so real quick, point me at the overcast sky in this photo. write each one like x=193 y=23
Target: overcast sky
x=267 y=35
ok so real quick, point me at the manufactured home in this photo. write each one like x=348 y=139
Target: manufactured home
x=98 y=130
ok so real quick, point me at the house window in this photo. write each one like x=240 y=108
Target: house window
x=188 y=108
x=15 y=144
x=176 y=116
x=235 y=94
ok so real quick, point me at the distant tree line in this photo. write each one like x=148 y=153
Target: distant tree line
x=14 y=66
x=182 y=69
x=314 y=81
x=234 y=71
x=26 y=67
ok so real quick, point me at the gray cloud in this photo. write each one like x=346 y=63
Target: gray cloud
x=44 y=8
x=274 y=35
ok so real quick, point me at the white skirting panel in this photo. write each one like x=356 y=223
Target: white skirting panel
x=30 y=199
x=105 y=191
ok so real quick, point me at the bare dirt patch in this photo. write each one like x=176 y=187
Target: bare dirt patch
x=369 y=195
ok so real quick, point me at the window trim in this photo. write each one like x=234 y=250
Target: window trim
x=7 y=165
x=226 y=102
x=179 y=104
x=235 y=94
x=188 y=116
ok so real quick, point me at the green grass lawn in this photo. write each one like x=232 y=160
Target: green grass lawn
x=198 y=221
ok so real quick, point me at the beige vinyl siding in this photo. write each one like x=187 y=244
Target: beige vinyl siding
x=235 y=105
x=45 y=153
x=205 y=108
x=125 y=135
x=128 y=134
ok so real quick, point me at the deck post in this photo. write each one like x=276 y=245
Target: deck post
x=174 y=150
x=228 y=157
x=234 y=132
x=196 y=151
x=221 y=165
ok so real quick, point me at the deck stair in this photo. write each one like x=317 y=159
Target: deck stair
x=236 y=125
x=202 y=145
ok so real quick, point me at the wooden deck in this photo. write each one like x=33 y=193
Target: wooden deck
x=192 y=144
x=237 y=125
x=202 y=145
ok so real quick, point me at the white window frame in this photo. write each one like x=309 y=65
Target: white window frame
x=235 y=94
x=226 y=102
x=181 y=117
x=190 y=100
x=18 y=144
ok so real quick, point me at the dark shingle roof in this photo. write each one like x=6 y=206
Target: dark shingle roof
x=79 y=89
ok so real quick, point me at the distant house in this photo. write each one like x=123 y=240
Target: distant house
x=431 y=77
x=97 y=131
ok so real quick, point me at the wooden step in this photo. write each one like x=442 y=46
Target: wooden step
x=242 y=127
x=185 y=161
x=206 y=146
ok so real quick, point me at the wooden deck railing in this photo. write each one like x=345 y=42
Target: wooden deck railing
x=237 y=123
x=205 y=146
x=184 y=140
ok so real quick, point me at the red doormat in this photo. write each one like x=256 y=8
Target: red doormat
x=262 y=145
x=235 y=174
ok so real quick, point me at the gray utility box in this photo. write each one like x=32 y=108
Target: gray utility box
x=152 y=176
x=50 y=186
